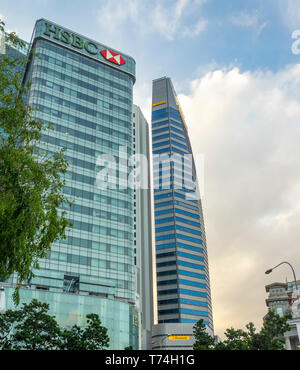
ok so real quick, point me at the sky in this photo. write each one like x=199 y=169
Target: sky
x=238 y=84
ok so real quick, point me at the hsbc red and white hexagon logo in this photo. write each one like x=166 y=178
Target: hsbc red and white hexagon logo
x=112 y=57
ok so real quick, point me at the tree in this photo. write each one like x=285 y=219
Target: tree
x=236 y=340
x=93 y=337
x=30 y=182
x=203 y=340
x=34 y=328
x=270 y=336
x=272 y=332
x=128 y=348
x=7 y=324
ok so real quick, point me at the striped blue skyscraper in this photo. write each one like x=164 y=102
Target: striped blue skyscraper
x=183 y=287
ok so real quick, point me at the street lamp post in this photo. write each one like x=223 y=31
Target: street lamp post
x=270 y=270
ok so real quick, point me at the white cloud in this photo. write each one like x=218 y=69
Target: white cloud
x=150 y=18
x=194 y=31
x=247 y=125
x=249 y=20
x=179 y=7
x=115 y=12
x=165 y=20
x=245 y=19
x=290 y=11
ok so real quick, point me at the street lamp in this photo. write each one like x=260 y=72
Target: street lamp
x=270 y=270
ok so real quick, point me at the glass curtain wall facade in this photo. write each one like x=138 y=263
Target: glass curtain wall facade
x=85 y=90
x=183 y=286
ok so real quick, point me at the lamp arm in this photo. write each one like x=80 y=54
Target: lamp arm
x=292 y=270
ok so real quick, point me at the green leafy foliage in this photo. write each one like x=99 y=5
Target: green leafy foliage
x=7 y=326
x=30 y=182
x=129 y=348
x=203 y=341
x=36 y=329
x=235 y=340
x=32 y=328
x=270 y=336
x=92 y=337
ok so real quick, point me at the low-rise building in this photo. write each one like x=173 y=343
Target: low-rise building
x=283 y=299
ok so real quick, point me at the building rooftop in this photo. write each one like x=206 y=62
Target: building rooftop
x=273 y=285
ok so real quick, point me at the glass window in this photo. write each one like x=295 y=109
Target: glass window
x=113 y=265
x=114 y=249
x=192 y=292
x=192 y=265
x=94 y=262
x=189 y=273
x=192 y=302
x=192 y=283
x=168 y=291
x=194 y=312
x=102 y=264
x=188 y=255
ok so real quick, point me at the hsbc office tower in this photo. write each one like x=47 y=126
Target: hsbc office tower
x=85 y=90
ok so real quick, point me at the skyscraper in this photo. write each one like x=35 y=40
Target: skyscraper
x=85 y=90
x=143 y=228
x=183 y=286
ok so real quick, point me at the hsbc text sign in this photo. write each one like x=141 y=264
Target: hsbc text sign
x=77 y=42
